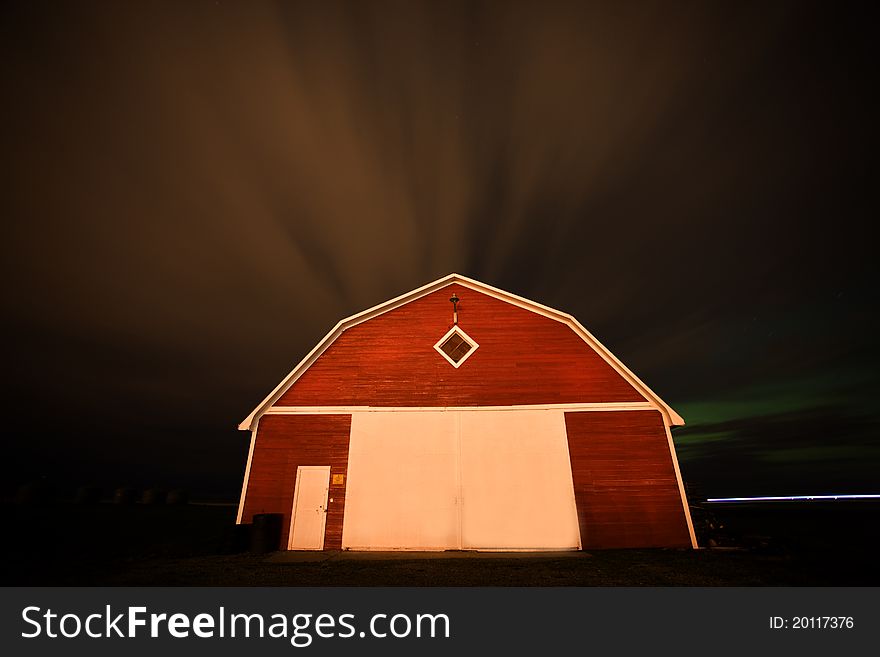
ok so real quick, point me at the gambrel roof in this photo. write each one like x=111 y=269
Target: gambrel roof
x=670 y=416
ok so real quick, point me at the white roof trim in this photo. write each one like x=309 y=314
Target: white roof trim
x=671 y=417
x=348 y=410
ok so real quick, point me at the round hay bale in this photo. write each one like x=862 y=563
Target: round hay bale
x=177 y=496
x=124 y=496
x=154 y=496
x=88 y=495
x=35 y=492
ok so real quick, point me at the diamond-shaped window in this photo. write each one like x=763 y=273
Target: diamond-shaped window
x=456 y=346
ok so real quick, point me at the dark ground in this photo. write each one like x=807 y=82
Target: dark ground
x=139 y=545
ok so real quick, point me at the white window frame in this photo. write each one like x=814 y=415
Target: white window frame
x=464 y=336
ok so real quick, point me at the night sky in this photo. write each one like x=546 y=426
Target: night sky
x=194 y=193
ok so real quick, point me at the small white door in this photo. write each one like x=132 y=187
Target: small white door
x=309 y=514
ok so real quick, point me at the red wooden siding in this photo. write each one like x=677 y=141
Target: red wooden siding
x=523 y=358
x=624 y=481
x=285 y=442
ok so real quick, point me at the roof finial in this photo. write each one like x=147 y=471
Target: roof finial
x=454 y=299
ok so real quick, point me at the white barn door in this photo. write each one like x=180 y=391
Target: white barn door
x=309 y=514
x=516 y=482
x=439 y=480
x=402 y=490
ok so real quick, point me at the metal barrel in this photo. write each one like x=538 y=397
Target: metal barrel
x=266 y=532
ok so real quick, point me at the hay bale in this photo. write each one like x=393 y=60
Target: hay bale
x=124 y=496
x=35 y=492
x=177 y=496
x=87 y=495
x=154 y=496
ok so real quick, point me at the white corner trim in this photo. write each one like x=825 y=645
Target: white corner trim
x=464 y=336
x=671 y=418
x=684 y=502
x=247 y=473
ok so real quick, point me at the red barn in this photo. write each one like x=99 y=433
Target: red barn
x=460 y=416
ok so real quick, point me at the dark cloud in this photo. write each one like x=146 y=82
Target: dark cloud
x=817 y=450
x=196 y=192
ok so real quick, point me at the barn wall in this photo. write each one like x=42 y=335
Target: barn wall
x=285 y=442
x=624 y=480
x=523 y=358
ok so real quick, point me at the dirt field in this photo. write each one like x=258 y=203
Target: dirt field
x=104 y=544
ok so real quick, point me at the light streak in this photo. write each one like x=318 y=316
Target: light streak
x=794 y=498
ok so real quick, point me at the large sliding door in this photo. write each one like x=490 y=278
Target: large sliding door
x=402 y=490
x=436 y=480
x=516 y=482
